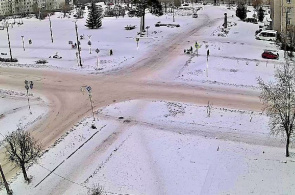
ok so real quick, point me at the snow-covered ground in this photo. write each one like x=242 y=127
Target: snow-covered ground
x=234 y=57
x=158 y=147
x=14 y=111
x=112 y=35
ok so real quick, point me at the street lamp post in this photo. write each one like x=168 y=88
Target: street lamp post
x=23 y=39
x=29 y=85
x=78 y=44
x=50 y=27
x=7 y=25
x=173 y=15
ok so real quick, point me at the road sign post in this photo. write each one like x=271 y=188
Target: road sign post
x=137 y=40
x=97 y=60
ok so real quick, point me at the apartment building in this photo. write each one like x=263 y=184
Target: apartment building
x=282 y=14
x=10 y=7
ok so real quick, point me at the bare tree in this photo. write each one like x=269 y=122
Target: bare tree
x=279 y=100
x=21 y=149
x=256 y=4
x=65 y=8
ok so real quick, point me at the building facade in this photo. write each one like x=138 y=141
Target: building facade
x=282 y=14
x=11 y=7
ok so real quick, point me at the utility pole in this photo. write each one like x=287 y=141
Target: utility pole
x=78 y=44
x=50 y=28
x=7 y=25
x=9 y=192
x=173 y=15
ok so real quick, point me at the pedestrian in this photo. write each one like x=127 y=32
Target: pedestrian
x=111 y=52
x=208 y=53
x=191 y=48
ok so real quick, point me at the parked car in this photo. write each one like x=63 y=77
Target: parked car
x=258 y=31
x=1 y=27
x=269 y=35
x=270 y=54
x=252 y=20
x=195 y=15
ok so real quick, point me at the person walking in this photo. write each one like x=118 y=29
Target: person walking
x=111 y=52
x=208 y=53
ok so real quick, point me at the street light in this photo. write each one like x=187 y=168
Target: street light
x=29 y=85
x=23 y=43
x=173 y=14
x=78 y=43
x=7 y=25
x=50 y=27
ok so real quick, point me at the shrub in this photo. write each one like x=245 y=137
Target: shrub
x=41 y=62
x=241 y=11
x=8 y=60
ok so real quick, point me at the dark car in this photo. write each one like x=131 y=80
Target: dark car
x=258 y=31
x=270 y=54
x=251 y=20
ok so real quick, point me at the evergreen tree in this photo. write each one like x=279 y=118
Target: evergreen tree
x=177 y=3
x=94 y=16
x=241 y=11
x=154 y=6
x=260 y=14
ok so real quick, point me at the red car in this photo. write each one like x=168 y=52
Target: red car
x=270 y=54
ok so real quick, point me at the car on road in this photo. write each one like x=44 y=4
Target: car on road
x=270 y=54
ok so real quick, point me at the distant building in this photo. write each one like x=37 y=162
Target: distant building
x=282 y=14
x=11 y=7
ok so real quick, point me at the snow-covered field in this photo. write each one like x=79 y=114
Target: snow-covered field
x=14 y=111
x=158 y=147
x=234 y=58
x=111 y=35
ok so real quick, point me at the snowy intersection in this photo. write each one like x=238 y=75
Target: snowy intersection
x=151 y=146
